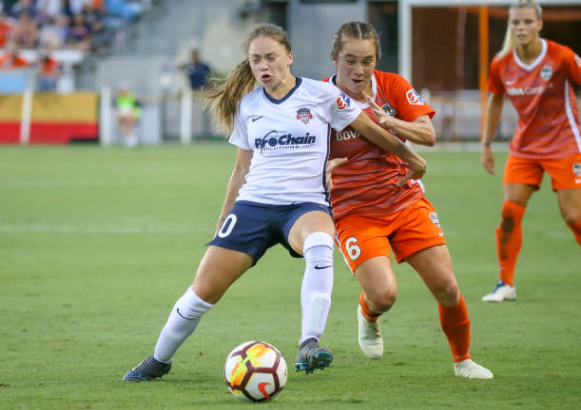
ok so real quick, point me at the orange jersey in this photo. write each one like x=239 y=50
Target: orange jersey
x=366 y=184
x=542 y=94
x=49 y=67
x=7 y=62
x=5 y=29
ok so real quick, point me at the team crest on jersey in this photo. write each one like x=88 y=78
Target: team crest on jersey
x=389 y=109
x=343 y=101
x=434 y=218
x=304 y=115
x=546 y=73
x=577 y=169
x=414 y=98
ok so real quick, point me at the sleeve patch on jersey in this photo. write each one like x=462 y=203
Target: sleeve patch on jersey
x=343 y=101
x=414 y=98
x=578 y=60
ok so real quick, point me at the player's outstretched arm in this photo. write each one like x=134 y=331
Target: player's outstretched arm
x=419 y=131
x=493 y=112
x=237 y=179
x=384 y=140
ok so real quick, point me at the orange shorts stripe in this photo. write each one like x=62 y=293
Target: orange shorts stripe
x=406 y=232
x=565 y=172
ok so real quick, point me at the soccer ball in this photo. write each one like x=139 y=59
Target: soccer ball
x=255 y=371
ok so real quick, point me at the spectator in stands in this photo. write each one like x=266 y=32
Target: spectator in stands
x=11 y=58
x=25 y=32
x=23 y=6
x=79 y=35
x=101 y=37
x=5 y=28
x=197 y=71
x=128 y=111
x=120 y=8
x=54 y=33
x=48 y=70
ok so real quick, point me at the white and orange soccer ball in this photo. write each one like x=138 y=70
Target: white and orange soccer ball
x=255 y=371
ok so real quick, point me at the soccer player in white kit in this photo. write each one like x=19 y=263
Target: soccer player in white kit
x=277 y=192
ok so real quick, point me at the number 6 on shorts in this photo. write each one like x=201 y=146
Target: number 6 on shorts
x=354 y=251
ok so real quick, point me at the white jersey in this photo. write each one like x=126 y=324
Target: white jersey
x=289 y=139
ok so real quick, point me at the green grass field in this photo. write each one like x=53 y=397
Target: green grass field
x=97 y=244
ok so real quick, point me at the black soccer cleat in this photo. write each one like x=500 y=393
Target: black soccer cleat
x=147 y=370
x=312 y=357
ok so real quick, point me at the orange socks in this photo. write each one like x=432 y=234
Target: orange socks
x=365 y=311
x=509 y=240
x=577 y=231
x=456 y=325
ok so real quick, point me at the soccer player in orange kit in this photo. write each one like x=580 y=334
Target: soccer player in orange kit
x=374 y=211
x=536 y=74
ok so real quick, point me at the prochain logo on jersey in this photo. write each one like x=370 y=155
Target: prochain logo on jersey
x=274 y=141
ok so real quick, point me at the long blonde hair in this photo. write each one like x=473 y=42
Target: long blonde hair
x=358 y=30
x=509 y=40
x=240 y=81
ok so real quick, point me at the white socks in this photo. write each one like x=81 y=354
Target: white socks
x=182 y=321
x=315 y=300
x=317 y=284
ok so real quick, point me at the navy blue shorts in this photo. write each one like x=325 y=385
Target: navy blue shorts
x=252 y=228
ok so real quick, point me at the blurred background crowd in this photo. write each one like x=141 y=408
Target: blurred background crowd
x=162 y=53
x=31 y=30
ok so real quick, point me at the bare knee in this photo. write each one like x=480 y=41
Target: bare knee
x=571 y=216
x=382 y=301
x=448 y=294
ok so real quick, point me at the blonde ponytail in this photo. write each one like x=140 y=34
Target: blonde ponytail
x=228 y=93
x=509 y=40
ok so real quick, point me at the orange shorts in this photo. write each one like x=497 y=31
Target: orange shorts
x=362 y=237
x=565 y=172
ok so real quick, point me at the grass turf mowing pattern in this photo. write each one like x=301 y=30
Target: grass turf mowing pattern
x=96 y=245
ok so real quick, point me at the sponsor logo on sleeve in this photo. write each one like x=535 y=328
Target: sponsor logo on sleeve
x=414 y=98
x=304 y=115
x=546 y=73
x=343 y=101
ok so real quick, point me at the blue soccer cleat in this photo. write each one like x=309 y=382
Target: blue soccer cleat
x=147 y=370
x=312 y=357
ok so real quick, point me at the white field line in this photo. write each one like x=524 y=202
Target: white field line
x=445 y=146
x=89 y=229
